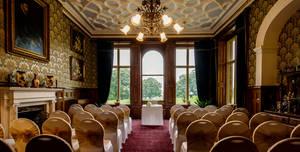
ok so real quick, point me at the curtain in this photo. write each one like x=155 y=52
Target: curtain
x=205 y=67
x=105 y=53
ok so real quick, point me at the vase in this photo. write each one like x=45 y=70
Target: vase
x=35 y=82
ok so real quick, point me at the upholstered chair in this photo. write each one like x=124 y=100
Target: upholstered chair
x=175 y=115
x=200 y=112
x=59 y=127
x=192 y=108
x=60 y=114
x=234 y=128
x=48 y=143
x=241 y=109
x=122 y=126
x=78 y=116
x=90 y=134
x=171 y=120
x=234 y=144
x=210 y=108
x=77 y=105
x=286 y=145
x=4 y=147
x=200 y=136
x=2 y=132
x=107 y=107
x=268 y=133
x=225 y=112
x=216 y=118
x=74 y=109
x=257 y=119
x=296 y=131
x=239 y=116
x=93 y=109
x=183 y=121
x=22 y=130
x=127 y=119
x=109 y=121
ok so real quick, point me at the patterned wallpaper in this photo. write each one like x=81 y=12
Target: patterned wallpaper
x=258 y=11
x=59 y=64
x=289 y=43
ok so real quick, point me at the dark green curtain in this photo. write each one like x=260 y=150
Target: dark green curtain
x=241 y=59
x=105 y=53
x=205 y=66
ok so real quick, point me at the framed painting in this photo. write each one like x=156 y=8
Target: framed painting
x=77 y=69
x=77 y=41
x=27 y=28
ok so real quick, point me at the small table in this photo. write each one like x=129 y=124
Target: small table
x=152 y=115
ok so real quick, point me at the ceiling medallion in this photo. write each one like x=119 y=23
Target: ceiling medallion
x=151 y=20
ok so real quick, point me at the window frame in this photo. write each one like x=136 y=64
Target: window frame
x=187 y=68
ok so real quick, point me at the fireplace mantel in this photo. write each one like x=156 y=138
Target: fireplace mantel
x=13 y=97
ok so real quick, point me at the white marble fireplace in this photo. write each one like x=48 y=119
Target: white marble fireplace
x=12 y=98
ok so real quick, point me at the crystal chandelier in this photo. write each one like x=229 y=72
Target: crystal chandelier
x=151 y=20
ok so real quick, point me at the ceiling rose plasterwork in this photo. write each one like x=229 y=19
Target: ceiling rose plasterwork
x=104 y=18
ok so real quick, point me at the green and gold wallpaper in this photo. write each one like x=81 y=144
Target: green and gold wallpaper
x=258 y=11
x=59 y=64
x=289 y=44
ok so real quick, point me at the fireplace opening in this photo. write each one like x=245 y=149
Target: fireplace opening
x=35 y=113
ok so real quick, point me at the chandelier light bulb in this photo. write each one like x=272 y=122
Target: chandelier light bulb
x=136 y=20
x=167 y=21
x=163 y=37
x=140 y=37
x=178 y=28
x=125 y=29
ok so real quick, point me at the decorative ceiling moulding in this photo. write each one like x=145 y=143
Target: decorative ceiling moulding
x=104 y=18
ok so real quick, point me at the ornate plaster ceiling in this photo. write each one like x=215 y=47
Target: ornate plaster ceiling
x=104 y=18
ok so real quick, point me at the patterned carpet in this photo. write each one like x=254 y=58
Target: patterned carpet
x=148 y=138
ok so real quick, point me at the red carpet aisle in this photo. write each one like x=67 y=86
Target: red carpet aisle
x=148 y=139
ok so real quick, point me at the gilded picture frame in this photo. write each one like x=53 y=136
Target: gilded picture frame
x=77 y=69
x=27 y=29
x=77 y=43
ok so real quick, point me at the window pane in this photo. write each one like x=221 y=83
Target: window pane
x=124 y=56
x=192 y=86
x=231 y=49
x=153 y=88
x=153 y=63
x=113 y=87
x=115 y=63
x=191 y=57
x=124 y=85
x=230 y=84
x=181 y=56
x=180 y=85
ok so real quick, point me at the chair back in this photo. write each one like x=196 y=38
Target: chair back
x=286 y=145
x=107 y=107
x=22 y=130
x=216 y=118
x=2 y=132
x=4 y=147
x=93 y=109
x=174 y=108
x=234 y=144
x=296 y=131
x=210 y=108
x=233 y=128
x=176 y=114
x=126 y=112
x=90 y=135
x=268 y=133
x=239 y=116
x=121 y=115
x=78 y=116
x=241 y=109
x=74 y=109
x=200 y=112
x=109 y=121
x=225 y=112
x=201 y=135
x=229 y=106
x=59 y=127
x=183 y=121
x=257 y=119
x=192 y=108
x=60 y=114
x=48 y=143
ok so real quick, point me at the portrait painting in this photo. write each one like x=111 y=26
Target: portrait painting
x=77 y=41
x=27 y=30
x=76 y=69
